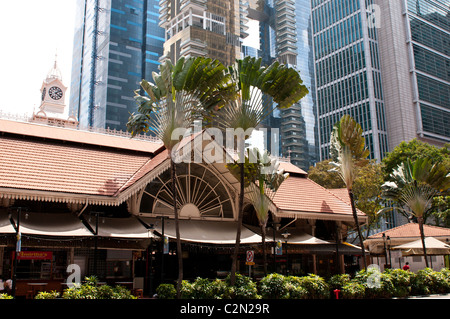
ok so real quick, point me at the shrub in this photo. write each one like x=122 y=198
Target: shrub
x=244 y=288
x=315 y=286
x=295 y=289
x=339 y=281
x=401 y=281
x=353 y=290
x=47 y=295
x=91 y=290
x=6 y=296
x=273 y=286
x=376 y=283
x=203 y=288
x=423 y=283
x=166 y=291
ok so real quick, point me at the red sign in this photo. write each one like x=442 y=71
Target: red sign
x=35 y=255
x=250 y=257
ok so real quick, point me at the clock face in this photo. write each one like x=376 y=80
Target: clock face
x=55 y=93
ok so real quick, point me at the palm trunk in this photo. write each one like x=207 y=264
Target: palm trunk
x=355 y=217
x=422 y=237
x=263 y=239
x=177 y=229
x=238 y=232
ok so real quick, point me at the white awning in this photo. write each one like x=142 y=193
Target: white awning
x=295 y=236
x=202 y=231
x=45 y=224
x=66 y=225
x=432 y=245
x=129 y=227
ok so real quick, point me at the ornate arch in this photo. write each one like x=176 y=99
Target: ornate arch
x=201 y=194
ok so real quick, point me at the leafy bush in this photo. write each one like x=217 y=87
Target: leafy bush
x=353 y=290
x=376 y=283
x=295 y=289
x=339 y=281
x=91 y=290
x=203 y=288
x=47 y=295
x=401 y=280
x=316 y=287
x=273 y=286
x=244 y=288
x=427 y=281
x=6 y=296
x=167 y=291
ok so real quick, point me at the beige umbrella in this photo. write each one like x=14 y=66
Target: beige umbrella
x=432 y=245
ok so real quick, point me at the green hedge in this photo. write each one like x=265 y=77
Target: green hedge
x=368 y=284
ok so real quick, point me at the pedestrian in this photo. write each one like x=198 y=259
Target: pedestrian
x=406 y=266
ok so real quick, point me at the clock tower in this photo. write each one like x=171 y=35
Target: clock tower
x=52 y=110
x=53 y=93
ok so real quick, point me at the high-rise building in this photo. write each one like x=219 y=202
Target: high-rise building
x=414 y=39
x=285 y=35
x=348 y=71
x=212 y=28
x=117 y=43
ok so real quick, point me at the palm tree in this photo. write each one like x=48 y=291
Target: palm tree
x=180 y=94
x=413 y=187
x=257 y=86
x=348 y=152
x=268 y=179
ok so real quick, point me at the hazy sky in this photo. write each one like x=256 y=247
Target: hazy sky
x=32 y=31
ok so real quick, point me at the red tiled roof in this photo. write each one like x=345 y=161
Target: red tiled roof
x=291 y=168
x=342 y=193
x=303 y=195
x=412 y=230
x=54 y=166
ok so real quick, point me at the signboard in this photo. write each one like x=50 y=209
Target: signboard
x=250 y=258
x=166 y=245
x=279 y=248
x=35 y=255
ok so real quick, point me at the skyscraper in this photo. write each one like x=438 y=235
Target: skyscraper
x=414 y=38
x=212 y=28
x=285 y=35
x=348 y=72
x=117 y=43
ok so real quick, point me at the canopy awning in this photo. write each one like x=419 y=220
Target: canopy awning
x=129 y=227
x=68 y=225
x=433 y=246
x=295 y=236
x=61 y=225
x=202 y=231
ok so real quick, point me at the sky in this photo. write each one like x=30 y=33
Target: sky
x=32 y=32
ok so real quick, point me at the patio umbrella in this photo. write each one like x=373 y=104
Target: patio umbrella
x=432 y=245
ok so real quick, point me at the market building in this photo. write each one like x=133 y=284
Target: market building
x=102 y=201
x=396 y=246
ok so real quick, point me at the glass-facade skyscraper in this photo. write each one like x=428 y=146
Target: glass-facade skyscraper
x=117 y=43
x=285 y=35
x=415 y=56
x=348 y=72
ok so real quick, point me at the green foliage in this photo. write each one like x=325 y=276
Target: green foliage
x=353 y=290
x=273 y=286
x=91 y=290
x=168 y=291
x=47 y=295
x=413 y=150
x=427 y=281
x=338 y=281
x=376 y=283
x=6 y=296
x=243 y=288
x=369 y=284
x=401 y=280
